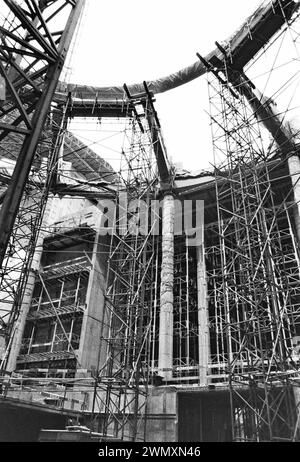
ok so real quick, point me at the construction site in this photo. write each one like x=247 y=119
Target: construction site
x=141 y=301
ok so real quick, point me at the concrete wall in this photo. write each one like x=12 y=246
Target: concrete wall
x=21 y=424
x=161 y=423
x=66 y=206
x=172 y=414
x=161 y=415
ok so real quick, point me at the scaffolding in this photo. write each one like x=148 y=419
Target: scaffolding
x=253 y=262
x=129 y=333
x=54 y=321
x=31 y=48
x=252 y=253
x=186 y=328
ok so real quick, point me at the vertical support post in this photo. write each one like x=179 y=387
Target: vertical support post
x=165 y=356
x=31 y=339
x=71 y=334
x=53 y=337
x=187 y=276
x=203 y=329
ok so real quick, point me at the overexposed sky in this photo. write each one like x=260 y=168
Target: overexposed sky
x=134 y=40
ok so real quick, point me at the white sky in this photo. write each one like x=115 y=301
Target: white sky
x=135 y=40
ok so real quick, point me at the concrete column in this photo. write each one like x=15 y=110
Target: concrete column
x=165 y=356
x=92 y=352
x=203 y=329
x=294 y=171
x=18 y=330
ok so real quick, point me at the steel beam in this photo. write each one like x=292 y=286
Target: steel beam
x=20 y=175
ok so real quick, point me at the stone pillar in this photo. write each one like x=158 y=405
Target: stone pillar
x=165 y=356
x=203 y=328
x=294 y=171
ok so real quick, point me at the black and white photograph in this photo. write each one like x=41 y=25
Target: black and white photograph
x=149 y=227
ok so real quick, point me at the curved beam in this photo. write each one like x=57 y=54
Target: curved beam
x=254 y=33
